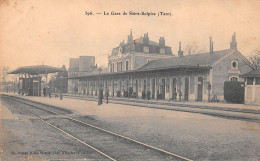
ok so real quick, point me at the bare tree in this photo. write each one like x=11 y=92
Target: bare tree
x=3 y=73
x=100 y=70
x=254 y=59
x=192 y=48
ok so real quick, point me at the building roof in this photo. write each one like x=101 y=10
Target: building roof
x=135 y=71
x=154 y=47
x=192 y=62
x=96 y=71
x=140 y=41
x=202 y=59
x=253 y=73
x=35 y=70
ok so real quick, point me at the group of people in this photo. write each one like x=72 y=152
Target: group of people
x=47 y=91
x=100 y=97
x=146 y=95
x=174 y=97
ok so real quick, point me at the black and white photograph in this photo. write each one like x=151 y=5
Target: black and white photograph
x=129 y=80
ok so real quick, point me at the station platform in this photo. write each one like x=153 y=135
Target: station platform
x=77 y=103
x=206 y=105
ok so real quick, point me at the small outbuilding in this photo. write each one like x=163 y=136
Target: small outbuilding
x=252 y=87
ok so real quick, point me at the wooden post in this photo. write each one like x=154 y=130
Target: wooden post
x=38 y=86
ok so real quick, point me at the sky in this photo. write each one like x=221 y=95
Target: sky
x=52 y=31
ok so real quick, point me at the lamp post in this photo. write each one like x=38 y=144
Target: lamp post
x=99 y=87
x=8 y=87
x=14 y=86
x=128 y=88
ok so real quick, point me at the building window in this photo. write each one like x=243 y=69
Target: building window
x=146 y=49
x=234 y=64
x=126 y=65
x=162 y=51
x=120 y=50
x=119 y=66
x=257 y=81
x=249 y=80
x=233 y=79
x=113 y=67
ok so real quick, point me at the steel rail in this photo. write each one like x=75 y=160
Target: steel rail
x=93 y=148
x=118 y=135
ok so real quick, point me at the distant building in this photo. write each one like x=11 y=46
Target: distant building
x=86 y=64
x=79 y=67
x=73 y=67
x=137 y=52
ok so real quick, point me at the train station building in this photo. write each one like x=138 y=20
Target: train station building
x=141 y=65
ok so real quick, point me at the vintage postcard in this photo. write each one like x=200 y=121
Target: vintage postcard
x=129 y=80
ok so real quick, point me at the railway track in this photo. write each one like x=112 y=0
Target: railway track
x=102 y=141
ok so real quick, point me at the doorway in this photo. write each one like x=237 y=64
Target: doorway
x=136 y=88
x=153 y=88
x=113 y=86
x=200 y=89
x=186 y=90
x=174 y=89
x=162 y=89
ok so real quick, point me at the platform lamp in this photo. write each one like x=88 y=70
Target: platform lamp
x=99 y=96
x=14 y=85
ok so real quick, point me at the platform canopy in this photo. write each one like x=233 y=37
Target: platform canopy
x=35 y=70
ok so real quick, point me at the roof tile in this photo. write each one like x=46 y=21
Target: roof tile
x=202 y=59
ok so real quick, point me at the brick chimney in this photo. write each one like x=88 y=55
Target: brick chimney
x=180 y=53
x=210 y=45
x=233 y=43
x=146 y=39
x=130 y=37
x=161 y=42
x=122 y=43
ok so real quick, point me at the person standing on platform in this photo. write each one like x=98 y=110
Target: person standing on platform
x=106 y=93
x=61 y=95
x=44 y=92
x=180 y=95
x=148 y=94
x=174 y=96
x=100 y=96
x=101 y=92
x=143 y=94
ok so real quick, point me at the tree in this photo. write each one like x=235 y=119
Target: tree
x=59 y=81
x=100 y=70
x=254 y=59
x=234 y=91
x=192 y=48
x=3 y=73
x=64 y=72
